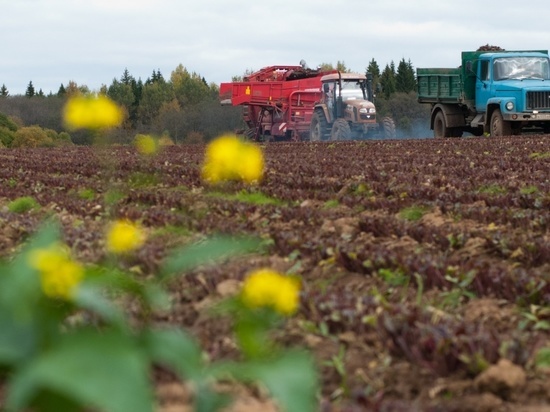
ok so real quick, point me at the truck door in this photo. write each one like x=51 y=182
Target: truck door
x=483 y=85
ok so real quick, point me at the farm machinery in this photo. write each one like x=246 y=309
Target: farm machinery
x=298 y=103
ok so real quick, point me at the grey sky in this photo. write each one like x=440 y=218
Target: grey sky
x=51 y=42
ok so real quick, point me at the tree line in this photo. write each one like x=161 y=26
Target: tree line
x=186 y=108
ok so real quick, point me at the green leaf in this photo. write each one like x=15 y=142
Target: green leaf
x=91 y=298
x=291 y=379
x=19 y=276
x=210 y=401
x=542 y=358
x=17 y=339
x=207 y=252
x=103 y=370
x=175 y=349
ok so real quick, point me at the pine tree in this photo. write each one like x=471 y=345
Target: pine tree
x=4 y=91
x=127 y=78
x=30 y=90
x=387 y=80
x=374 y=70
x=159 y=76
x=405 y=80
x=61 y=92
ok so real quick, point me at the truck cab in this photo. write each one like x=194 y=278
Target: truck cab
x=512 y=90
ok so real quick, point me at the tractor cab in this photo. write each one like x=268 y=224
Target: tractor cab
x=346 y=95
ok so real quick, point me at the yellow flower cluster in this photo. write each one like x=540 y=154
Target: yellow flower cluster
x=124 y=236
x=230 y=158
x=268 y=288
x=146 y=144
x=91 y=112
x=59 y=273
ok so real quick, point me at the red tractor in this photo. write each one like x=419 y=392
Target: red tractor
x=298 y=103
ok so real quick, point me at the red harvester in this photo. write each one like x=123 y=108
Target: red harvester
x=298 y=103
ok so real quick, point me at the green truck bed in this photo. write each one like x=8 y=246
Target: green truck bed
x=439 y=85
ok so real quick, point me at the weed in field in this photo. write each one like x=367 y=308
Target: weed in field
x=536 y=318
x=413 y=213
x=537 y=155
x=139 y=180
x=459 y=289
x=23 y=204
x=528 y=190
x=86 y=194
x=251 y=197
x=330 y=204
x=112 y=197
x=492 y=189
x=339 y=364
x=542 y=359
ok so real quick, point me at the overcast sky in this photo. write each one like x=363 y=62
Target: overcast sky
x=91 y=42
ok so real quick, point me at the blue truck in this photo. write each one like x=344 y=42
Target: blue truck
x=500 y=93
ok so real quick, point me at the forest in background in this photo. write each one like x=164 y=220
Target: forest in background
x=186 y=108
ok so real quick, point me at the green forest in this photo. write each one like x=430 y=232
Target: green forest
x=183 y=107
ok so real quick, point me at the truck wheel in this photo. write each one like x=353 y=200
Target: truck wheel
x=440 y=126
x=318 y=127
x=340 y=130
x=456 y=132
x=388 y=128
x=500 y=127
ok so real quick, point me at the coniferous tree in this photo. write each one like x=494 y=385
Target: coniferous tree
x=405 y=80
x=374 y=70
x=126 y=77
x=387 y=80
x=30 y=90
x=61 y=92
x=4 y=91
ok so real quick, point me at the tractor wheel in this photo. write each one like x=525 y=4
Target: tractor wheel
x=250 y=134
x=318 y=128
x=340 y=130
x=440 y=126
x=388 y=128
x=499 y=127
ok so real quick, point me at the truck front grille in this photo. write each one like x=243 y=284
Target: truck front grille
x=538 y=100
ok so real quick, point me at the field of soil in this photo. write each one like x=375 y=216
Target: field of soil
x=425 y=264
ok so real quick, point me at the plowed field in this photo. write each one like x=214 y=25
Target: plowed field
x=425 y=264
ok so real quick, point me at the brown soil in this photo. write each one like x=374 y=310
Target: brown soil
x=419 y=259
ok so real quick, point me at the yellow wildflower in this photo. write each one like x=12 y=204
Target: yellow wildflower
x=268 y=288
x=124 y=236
x=146 y=144
x=91 y=112
x=59 y=273
x=229 y=158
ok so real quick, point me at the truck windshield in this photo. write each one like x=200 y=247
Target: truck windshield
x=352 y=90
x=519 y=68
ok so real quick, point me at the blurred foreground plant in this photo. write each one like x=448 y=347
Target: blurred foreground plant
x=67 y=346
x=230 y=158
